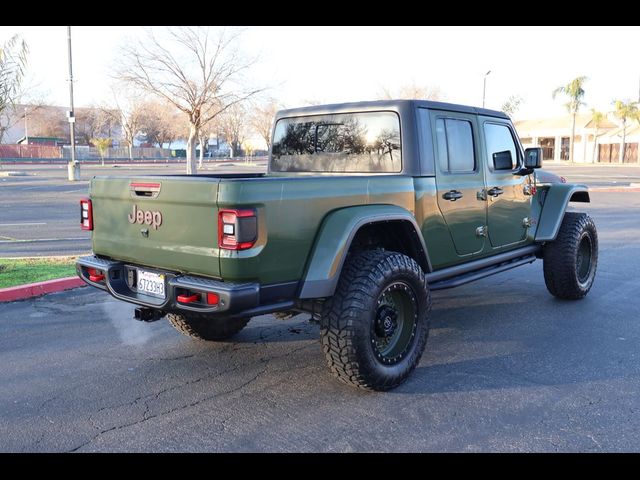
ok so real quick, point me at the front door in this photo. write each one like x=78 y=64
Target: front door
x=508 y=203
x=460 y=179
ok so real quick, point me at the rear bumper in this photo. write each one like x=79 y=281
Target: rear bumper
x=233 y=297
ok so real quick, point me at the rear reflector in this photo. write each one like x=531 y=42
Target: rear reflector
x=86 y=214
x=188 y=298
x=212 y=298
x=95 y=275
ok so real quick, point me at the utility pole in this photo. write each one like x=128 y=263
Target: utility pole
x=484 y=86
x=73 y=167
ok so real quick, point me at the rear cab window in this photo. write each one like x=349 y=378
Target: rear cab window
x=364 y=142
x=455 y=146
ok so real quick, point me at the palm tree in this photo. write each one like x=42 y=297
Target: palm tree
x=597 y=119
x=626 y=111
x=575 y=93
x=13 y=62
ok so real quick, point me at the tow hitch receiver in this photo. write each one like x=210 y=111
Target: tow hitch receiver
x=145 y=314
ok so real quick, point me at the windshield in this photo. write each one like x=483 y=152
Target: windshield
x=350 y=142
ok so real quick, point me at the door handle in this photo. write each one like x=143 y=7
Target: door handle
x=452 y=195
x=495 y=191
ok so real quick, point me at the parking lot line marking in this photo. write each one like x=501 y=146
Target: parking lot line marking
x=44 y=240
x=21 y=224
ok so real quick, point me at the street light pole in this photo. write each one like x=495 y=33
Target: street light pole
x=484 y=86
x=73 y=167
x=26 y=130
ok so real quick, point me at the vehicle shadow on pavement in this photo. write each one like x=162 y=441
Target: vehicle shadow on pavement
x=505 y=341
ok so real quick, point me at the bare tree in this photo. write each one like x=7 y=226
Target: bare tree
x=206 y=132
x=262 y=119
x=93 y=122
x=129 y=114
x=511 y=105
x=312 y=102
x=45 y=121
x=198 y=74
x=161 y=122
x=412 y=91
x=233 y=124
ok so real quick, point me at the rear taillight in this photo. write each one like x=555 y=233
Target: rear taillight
x=86 y=214
x=237 y=229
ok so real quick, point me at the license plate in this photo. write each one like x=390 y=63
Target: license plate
x=150 y=283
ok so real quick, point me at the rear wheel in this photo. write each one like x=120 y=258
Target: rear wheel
x=570 y=261
x=375 y=327
x=204 y=327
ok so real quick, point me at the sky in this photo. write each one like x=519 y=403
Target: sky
x=343 y=64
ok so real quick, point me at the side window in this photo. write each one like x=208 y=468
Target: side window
x=499 y=141
x=454 y=139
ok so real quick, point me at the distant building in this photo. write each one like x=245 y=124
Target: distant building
x=553 y=135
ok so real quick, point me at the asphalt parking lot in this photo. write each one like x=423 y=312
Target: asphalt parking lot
x=507 y=368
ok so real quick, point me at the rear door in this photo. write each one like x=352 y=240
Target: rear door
x=509 y=205
x=164 y=222
x=460 y=179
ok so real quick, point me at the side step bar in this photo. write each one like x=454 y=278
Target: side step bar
x=484 y=267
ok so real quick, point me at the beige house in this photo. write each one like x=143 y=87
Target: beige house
x=553 y=135
x=610 y=145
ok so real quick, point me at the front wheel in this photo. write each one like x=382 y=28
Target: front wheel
x=570 y=261
x=374 y=329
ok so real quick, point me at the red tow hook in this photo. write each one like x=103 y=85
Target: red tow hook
x=188 y=299
x=95 y=275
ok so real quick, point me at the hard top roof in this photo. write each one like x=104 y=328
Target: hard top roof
x=397 y=105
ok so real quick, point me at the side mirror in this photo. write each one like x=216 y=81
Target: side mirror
x=533 y=157
x=503 y=160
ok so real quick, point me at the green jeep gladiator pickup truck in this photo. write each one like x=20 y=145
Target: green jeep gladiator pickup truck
x=364 y=210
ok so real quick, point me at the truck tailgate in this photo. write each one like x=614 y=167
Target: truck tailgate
x=163 y=222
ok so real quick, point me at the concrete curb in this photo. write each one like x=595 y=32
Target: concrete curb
x=29 y=290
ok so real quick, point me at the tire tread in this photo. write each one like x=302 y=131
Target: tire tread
x=362 y=275
x=559 y=262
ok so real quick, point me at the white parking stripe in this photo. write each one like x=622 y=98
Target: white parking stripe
x=20 y=224
x=45 y=240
